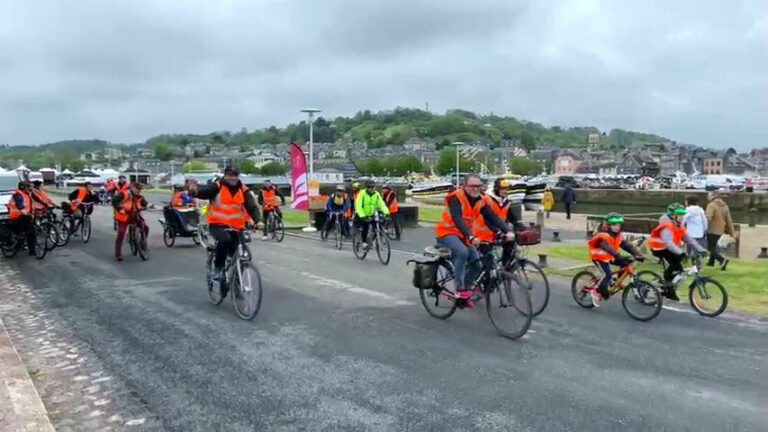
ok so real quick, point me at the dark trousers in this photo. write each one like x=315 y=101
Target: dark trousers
x=395 y=217
x=24 y=226
x=226 y=243
x=363 y=226
x=332 y=219
x=605 y=279
x=567 y=210
x=714 y=254
x=265 y=213
x=122 y=229
x=674 y=263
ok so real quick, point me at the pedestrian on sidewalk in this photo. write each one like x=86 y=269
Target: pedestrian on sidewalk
x=719 y=222
x=695 y=221
x=569 y=199
x=548 y=200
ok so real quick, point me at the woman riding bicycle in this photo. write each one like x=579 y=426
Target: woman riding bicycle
x=456 y=230
x=337 y=206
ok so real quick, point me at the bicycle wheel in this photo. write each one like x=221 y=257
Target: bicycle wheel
x=579 y=288
x=641 y=300
x=357 y=245
x=141 y=245
x=383 y=250
x=202 y=234
x=533 y=278
x=41 y=240
x=509 y=308
x=246 y=292
x=169 y=236
x=63 y=233
x=708 y=297
x=10 y=247
x=214 y=294
x=53 y=235
x=85 y=229
x=439 y=301
x=337 y=235
x=279 y=230
x=389 y=229
x=132 y=239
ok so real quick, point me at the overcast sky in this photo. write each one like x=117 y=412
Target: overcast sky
x=691 y=70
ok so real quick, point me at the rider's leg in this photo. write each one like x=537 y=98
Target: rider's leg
x=364 y=225
x=264 y=214
x=508 y=249
x=121 y=229
x=396 y=222
x=328 y=223
x=224 y=243
x=606 y=274
x=28 y=228
x=459 y=256
x=474 y=266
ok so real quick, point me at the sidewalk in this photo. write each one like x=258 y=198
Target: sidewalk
x=20 y=406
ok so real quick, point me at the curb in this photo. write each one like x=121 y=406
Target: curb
x=26 y=411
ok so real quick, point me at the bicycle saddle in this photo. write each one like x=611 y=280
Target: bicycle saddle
x=437 y=251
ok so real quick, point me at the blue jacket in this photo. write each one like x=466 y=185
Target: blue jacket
x=331 y=206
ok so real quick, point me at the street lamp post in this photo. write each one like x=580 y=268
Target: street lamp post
x=458 y=145
x=311 y=115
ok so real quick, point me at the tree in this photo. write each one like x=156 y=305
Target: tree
x=273 y=169
x=247 y=167
x=527 y=141
x=404 y=165
x=193 y=165
x=446 y=164
x=524 y=166
x=162 y=151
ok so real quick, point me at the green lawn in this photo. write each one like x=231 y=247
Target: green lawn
x=430 y=213
x=745 y=280
x=294 y=218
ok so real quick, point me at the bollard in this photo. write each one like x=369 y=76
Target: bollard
x=556 y=236
x=543 y=260
x=540 y=218
x=763 y=253
x=752 y=217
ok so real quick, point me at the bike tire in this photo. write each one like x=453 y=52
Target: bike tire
x=169 y=236
x=10 y=248
x=539 y=292
x=52 y=237
x=250 y=291
x=132 y=240
x=389 y=229
x=644 y=293
x=202 y=234
x=337 y=235
x=438 y=304
x=357 y=246
x=142 y=246
x=279 y=230
x=580 y=295
x=509 y=300
x=214 y=293
x=383 y=250
x=85 y=229
x=41 y=240
x=702 y=285
x=64 y=233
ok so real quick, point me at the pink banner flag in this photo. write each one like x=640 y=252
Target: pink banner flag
x=299 y=190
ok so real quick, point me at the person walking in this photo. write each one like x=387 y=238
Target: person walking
x=719 y=222
x=548 y=200
x=569 y=199
x=695 y=221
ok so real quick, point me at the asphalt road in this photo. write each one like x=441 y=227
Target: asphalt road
x=345 y=344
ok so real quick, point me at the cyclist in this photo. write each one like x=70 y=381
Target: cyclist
x=128 y=205
x=456 y=231
x=181 y=199
x=497 y=201
x=666 y=242
x=231 y=203
x=367 y=203
x=268 y=200
x=20 y=214
x=78 y=197
x=337 y=206
x=40 y=200
x=604 y=249
x=390 y=199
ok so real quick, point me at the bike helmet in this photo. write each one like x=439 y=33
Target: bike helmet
x=356 y=185
x=178 y=187
x=500 y=183
x=614 y=219
x=369 y=183
x=676 y=209
x=340 y=188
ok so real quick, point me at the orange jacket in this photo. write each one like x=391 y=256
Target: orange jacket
x=596 y=253
x=81 y=194
x=16 y=212
x=391 y=200
x=446 y=226
x=678 y=234
x=40 y=200
x=227 y=209
x=481 y=229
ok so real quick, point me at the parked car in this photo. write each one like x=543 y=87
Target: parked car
x=9 y=181
x=724 y=182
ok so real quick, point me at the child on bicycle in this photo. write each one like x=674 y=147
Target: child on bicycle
x=666 y=242
x=604 y=251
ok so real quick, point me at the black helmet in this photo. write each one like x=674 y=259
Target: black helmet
x=230 y=170
x=370 y=183
x=178 y=187
x=23 y=184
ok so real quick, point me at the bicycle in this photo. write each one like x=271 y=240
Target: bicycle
x=530 y=276
x=389 y=228
x=71 y=223
x=435 y=278
x=202 y=227
x=377 y=240
x=46 y=220
x=646 y=295
x=274 y=225
x=138 y=242
x=242 y=274
x=338 y=233
x=701 y=291
x=15 y=242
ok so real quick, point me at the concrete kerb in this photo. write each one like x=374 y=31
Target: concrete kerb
x=25 y=410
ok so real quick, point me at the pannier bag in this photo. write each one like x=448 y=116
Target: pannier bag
x=425 y=274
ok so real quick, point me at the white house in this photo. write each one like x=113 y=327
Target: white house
x=329 y=176
x=261 y=158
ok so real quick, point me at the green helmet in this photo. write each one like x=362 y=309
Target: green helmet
x=614 y=219
x=676 y=209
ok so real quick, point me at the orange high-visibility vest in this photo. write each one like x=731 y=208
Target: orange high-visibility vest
x=469 y=213
x=394 y=206
x=81 y=194
x=16 y=212
x=41 y=200
x=596 y=253
x=678 y=234
x=227 y=209
x=482 y=231
x=270 y=199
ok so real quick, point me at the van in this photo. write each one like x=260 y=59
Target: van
x=9 y=181
x=724 y=182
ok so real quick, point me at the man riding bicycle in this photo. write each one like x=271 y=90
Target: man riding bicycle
x=666 y=242
x=268 y=200
x=79 y=197
x=40 y=199
x=390 y=199
x=604 y=249
x=128 y=206
x=337 y=206
x=497 y=201
x=366 y=204
x=20 y=213
x=231 y=203
x=456 y=231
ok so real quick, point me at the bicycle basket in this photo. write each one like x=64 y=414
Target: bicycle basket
x=425 y=274
x=528 y=237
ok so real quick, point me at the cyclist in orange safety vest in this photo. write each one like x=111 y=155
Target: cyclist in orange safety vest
x=40 y=200
x=127 y=209
x=604 y=249
x=231 y=203
x=497 y=201
x=667 y=242
x=20 y=213
x=456 y=232
x=268 y=199
x=390 y=199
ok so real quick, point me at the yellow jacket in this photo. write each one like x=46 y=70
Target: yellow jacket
x=548 y=201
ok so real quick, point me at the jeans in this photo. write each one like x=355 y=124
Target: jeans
x=714 y=254
x=605 y=280
x=461 y=255
x=226 y=243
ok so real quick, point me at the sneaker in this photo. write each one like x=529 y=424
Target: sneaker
x=119 y=258
x=464 y=299
x=671 y=294
x=218 y=275
x=466 y=294
x=264 y=237
x=364 y=245
x=724 y=264
x=676 y=280
x=596 y=298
